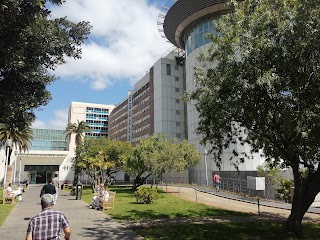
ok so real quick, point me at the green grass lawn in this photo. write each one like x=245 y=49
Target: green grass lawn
x=168 y=206
x=5 y=209
x=224 y=231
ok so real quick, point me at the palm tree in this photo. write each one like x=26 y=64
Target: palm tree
x=21 y=136
x=79 y=129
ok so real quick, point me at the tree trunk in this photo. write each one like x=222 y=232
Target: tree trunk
x=138 y=181
x=306 y=189
x=293 y=224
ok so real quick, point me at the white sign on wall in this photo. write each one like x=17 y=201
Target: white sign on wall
x=256 y=183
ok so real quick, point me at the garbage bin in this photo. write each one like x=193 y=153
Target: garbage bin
x=79 y=191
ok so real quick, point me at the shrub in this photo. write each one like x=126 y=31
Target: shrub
x=283 y=191
x=146 y=195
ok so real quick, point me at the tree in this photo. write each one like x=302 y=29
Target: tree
x=156 y=155
x=20 y=136
x=262 y=88
x=272 y=175
x=100 y=157
x=79 y=130
x=31 y=43
x=117 y=154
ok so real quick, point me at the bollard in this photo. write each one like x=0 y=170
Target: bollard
x=79 y=191
x=196 y=195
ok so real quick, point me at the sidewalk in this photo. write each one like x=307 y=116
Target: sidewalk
x=85 y=223
x=274 y=204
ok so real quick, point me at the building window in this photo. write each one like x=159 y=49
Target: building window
x=177 y=79
x=177 y=89
x=178 y=135
x=177 y=101
x=176 y=67
x=178 y=112
x=168 y=69
x=177 y=124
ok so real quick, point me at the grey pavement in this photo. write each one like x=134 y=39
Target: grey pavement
x=274 y=204
x=85 y=223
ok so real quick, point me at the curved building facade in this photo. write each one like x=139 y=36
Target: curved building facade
x=185 y=24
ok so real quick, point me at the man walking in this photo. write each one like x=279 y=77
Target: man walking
x=216 y=179
x=55 y=182
x=48 y=223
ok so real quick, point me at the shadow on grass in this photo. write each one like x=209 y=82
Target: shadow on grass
x=239 y=231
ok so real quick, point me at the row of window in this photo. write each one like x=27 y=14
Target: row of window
x=97 y=110
x=93 y=115
x=120 y=116
x=124 y=107
x=168 y=68
x=196 y=36
x=141 y=94
x=141 y=102
x=139 y=138
x=120 y=130
x=141 y=111
x=141 y=120
x=119 y=123
x=88 y=134
x=141 y=128
x=96 y=123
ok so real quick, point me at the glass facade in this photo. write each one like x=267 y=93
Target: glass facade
x=196 y=36
x=48 y=139
x=97 y=119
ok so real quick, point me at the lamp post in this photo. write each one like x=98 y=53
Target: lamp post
x=15 y=166
x=8 y=146
x=20 y=170
x=206 y=165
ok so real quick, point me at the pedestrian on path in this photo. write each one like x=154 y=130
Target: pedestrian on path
x=48 y=188
x=216 y=180
x=48 y=223
x=55 y=182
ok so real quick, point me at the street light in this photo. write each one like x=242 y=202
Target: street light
x=16 y=153
x=8 y=146
x=20 y=170
x=206 y=165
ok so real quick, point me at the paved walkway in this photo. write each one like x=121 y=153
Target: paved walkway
x=85 y=223
x=274 y=204
x=268 y=209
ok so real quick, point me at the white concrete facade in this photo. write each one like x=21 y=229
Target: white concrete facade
x=198 y=172
x=78 y=111
x=61 y=159
x=169 y=110
x=185 y=24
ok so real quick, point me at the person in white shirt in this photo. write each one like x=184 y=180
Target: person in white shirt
x=56 y=183
x=14 y=192
x=103 y=194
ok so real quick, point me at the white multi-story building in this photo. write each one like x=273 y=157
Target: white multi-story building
x=95 y=115
x=185 y=24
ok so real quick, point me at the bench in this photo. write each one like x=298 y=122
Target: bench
x=8 y=198
x=106 y=204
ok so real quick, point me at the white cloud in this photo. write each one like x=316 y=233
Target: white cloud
x=124 y=42
x=59 y=121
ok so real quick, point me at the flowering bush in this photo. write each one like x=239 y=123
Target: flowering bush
x=146 y=195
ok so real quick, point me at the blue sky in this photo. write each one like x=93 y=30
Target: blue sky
x=123 y=45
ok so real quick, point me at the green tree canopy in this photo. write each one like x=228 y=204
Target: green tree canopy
x=100 y=157
x=20 y=136
x=263 y=88
x=31 y=43
x=156 y=155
